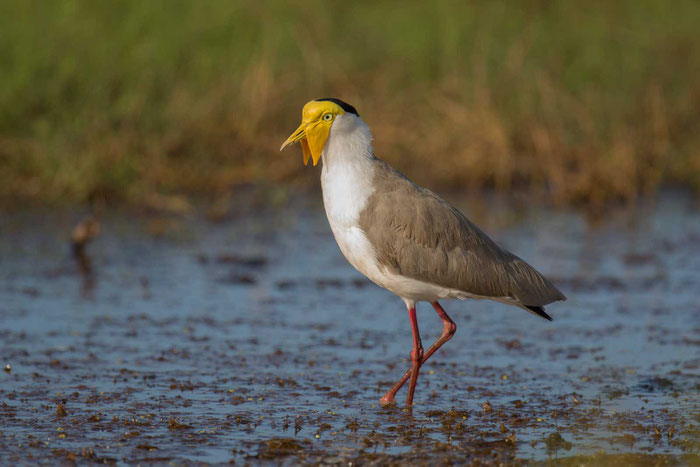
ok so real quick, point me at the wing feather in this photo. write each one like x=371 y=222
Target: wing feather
x=419 y=235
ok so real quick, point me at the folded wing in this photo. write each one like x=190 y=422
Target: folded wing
x=419 y=235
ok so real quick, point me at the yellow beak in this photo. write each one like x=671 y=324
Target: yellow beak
x=312 y=136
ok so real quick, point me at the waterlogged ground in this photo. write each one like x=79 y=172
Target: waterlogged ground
x=180 y=339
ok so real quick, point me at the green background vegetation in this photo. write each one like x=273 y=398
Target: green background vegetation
x=579 y=102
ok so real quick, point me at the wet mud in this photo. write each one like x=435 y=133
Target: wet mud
x=251 y=340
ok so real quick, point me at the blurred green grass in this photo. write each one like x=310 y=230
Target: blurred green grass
x=578 y=102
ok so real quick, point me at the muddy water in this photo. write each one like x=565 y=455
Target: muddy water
x=251 y=340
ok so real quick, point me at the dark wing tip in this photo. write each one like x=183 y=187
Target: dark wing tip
x=539 y=311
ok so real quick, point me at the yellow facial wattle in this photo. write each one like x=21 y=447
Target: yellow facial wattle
x=312 y=134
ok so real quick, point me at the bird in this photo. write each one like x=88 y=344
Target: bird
x=404 y=237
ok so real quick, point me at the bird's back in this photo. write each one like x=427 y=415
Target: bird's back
x=419 y=235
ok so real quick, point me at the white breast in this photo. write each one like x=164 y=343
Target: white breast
x=345 y=195
x=346 y=180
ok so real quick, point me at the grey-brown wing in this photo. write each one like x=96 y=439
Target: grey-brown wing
x=419 y=235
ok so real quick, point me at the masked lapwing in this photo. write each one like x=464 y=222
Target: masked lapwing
x=406 y=238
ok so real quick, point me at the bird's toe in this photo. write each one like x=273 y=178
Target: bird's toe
x=387 y=400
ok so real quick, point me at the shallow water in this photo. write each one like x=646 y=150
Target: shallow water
x=252 y=339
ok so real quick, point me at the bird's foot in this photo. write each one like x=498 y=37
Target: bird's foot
x=387 y=400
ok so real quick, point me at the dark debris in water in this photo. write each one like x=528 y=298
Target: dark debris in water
x=227 y=345
x=254 y=262
x=655 y=384
x=281 y=447
x=555 y=441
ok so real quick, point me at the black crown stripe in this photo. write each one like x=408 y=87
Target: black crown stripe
x=343 y=105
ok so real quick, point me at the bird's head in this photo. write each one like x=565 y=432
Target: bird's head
x=316 y=121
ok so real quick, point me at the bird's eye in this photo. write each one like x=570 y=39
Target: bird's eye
x=328 y=117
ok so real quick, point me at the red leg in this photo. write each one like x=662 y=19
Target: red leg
x=416 y=356
x=448 y=330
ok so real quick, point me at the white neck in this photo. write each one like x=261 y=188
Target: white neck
x=348 y=169
x=349 y=140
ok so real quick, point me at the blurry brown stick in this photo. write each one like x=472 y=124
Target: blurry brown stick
x=82 y=234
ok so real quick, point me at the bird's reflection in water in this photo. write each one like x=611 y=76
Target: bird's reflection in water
x=87 y=275
x=82 y=234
